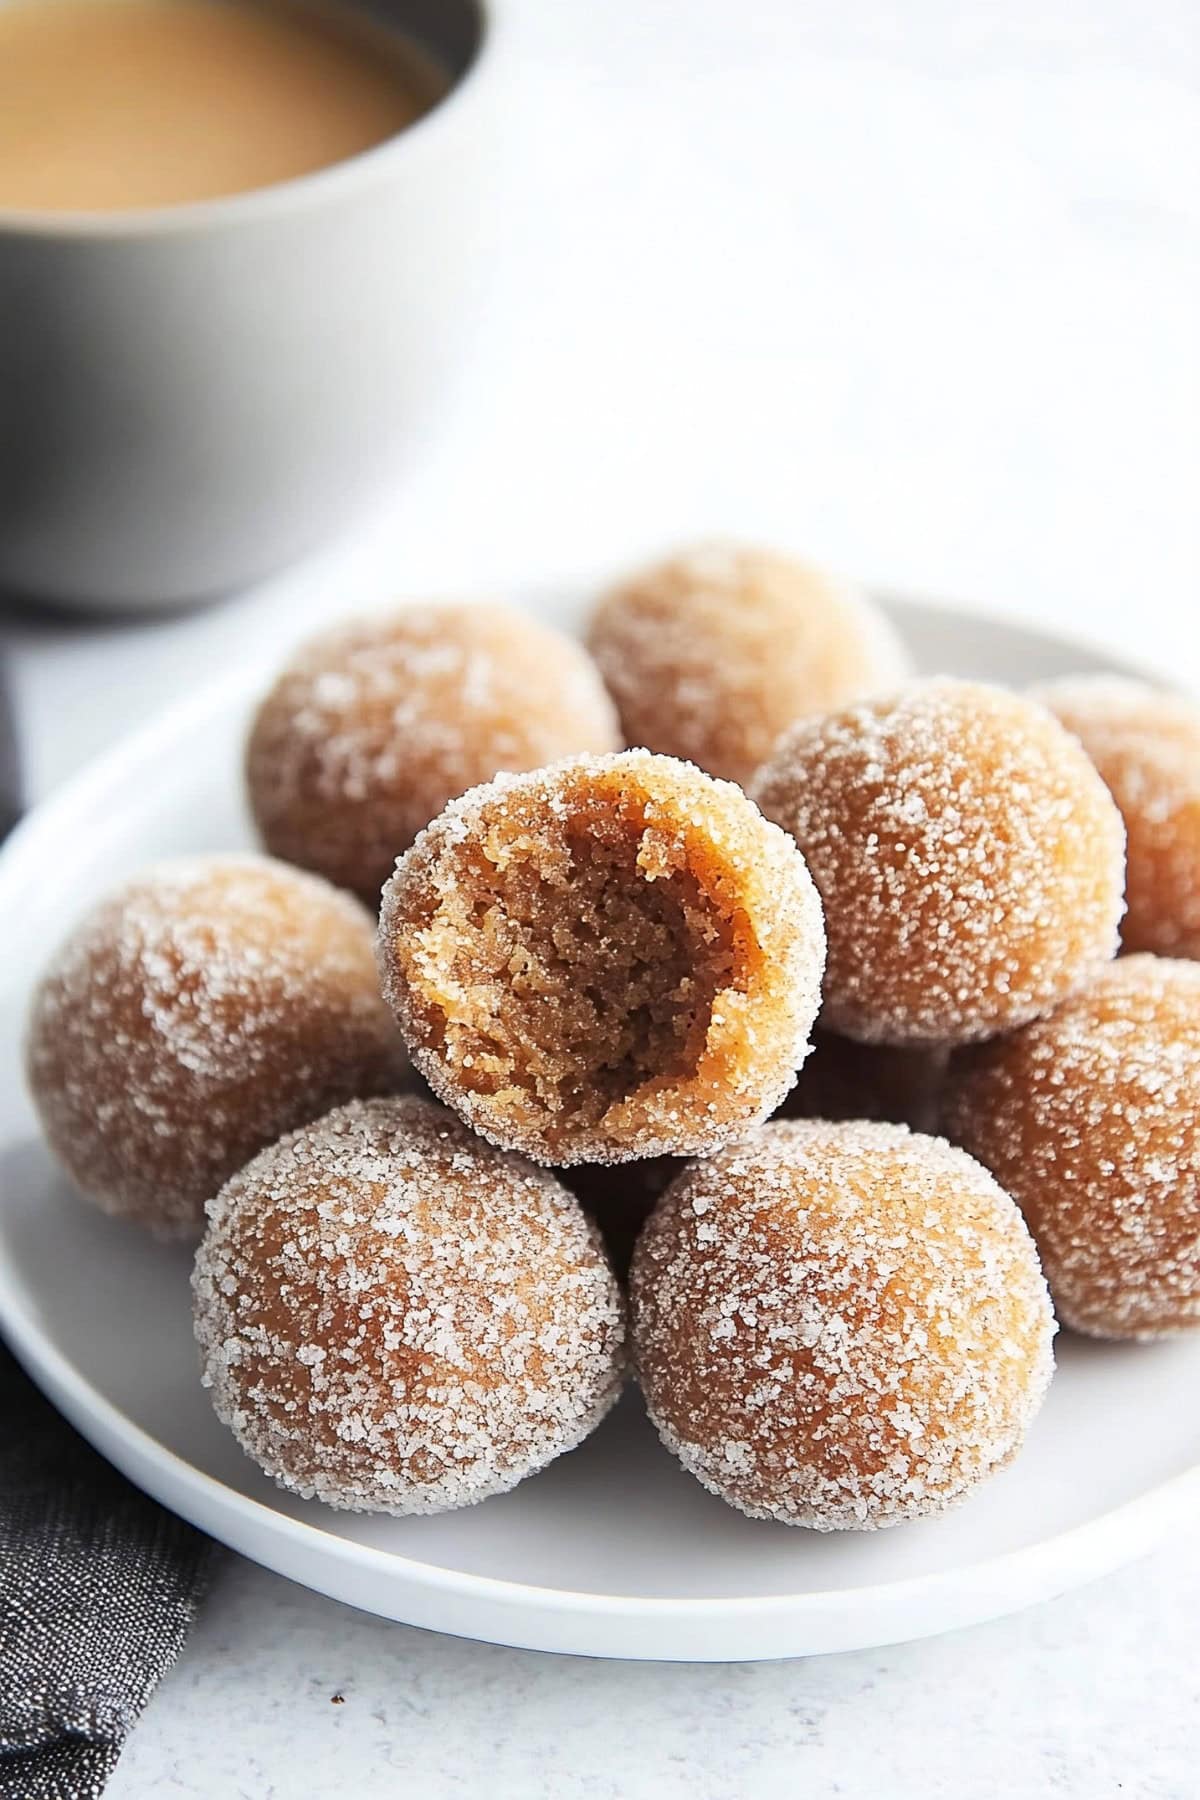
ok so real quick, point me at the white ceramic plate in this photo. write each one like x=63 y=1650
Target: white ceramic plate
x=613 y=1551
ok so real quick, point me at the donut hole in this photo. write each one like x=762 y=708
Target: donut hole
x=970 y=859
x=714 y=652
x=395 y=1317
x=839 y=1326
x=193 y=1016
x=569 y=1012
x=373 y=727
x=608 y=959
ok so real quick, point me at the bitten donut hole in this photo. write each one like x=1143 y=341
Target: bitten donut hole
x=611 y=958
x=576 y=971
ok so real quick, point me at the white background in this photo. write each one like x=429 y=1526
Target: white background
x=910 y=287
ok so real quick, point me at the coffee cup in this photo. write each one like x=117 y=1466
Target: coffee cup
x=193 y=395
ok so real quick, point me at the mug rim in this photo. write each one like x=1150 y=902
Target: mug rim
x=252 y=205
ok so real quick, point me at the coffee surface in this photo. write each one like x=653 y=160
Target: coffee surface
x=114 y=105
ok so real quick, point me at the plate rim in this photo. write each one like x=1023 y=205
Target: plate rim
x=250 y=1526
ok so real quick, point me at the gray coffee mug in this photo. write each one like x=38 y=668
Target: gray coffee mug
x=191 y=397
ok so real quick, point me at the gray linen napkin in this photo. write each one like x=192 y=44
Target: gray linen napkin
x=98 y=1585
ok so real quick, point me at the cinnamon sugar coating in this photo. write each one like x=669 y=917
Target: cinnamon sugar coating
x=840 y=1326
x=1091 y=1119
x=373 y=726
x=191 y=1017
x=1146 y=745
x=970 y=859
x=711 y=654
x=394 y=1317
x=613 y=958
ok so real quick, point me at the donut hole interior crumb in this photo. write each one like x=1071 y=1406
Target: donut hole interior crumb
x=577 y=968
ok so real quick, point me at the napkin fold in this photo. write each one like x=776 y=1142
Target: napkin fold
x=98 y=1586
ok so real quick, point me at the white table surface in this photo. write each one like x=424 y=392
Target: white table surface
x=912 y=286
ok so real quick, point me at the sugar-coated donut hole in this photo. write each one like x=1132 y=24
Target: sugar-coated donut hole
x=841 y=1326
x=1091 y=1119
x=711 y=653
x=396 y=1317
x=970 y=859
x=205 y=1007
x=614 y=958
x=373 y=726
x=1145 y=744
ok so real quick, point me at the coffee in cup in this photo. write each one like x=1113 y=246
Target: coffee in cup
x=111 y=105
